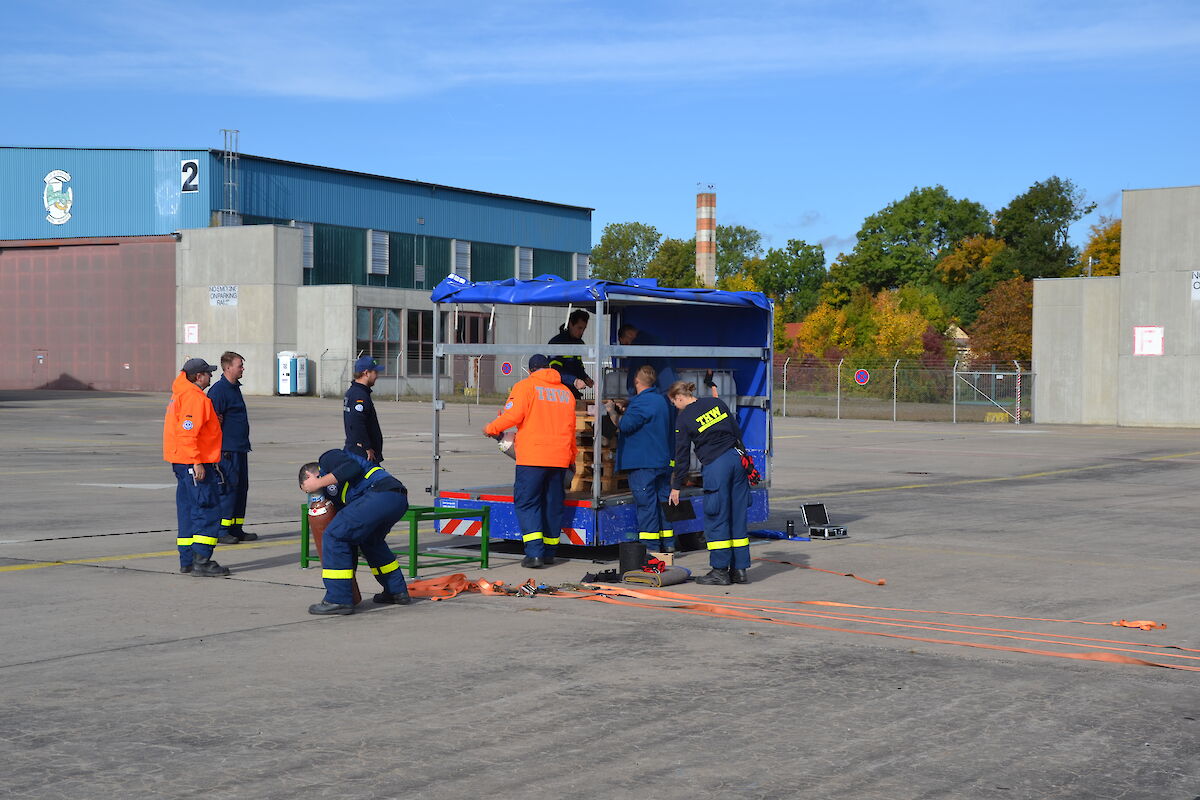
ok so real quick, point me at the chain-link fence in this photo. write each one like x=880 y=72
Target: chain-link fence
x=902 y=390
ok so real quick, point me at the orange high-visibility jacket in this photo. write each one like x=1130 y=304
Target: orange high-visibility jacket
x=544 y=412
x=191 y=430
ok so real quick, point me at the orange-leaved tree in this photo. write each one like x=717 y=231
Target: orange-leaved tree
x=971 y=255
x=1103 y=250
x=1003 y=331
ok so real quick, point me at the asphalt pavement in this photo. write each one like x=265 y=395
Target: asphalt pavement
x=1001 y=548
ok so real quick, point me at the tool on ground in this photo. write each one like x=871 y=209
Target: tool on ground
x=814 y=517
x=665 y=577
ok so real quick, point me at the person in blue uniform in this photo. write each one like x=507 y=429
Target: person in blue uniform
x=227 y=401
x=570 y=368
x=363 y=435
x=370 y=501
x=644 y=450
x=707 y=424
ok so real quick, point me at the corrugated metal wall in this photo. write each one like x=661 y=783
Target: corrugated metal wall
x=550 y=262
x=111 y=192
x=97 y=315
x=492 y=262
x=296 y=191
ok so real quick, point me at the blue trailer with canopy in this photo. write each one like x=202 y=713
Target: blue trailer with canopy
x=682 y=332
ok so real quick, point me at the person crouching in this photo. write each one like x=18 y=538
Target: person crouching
x=370 y=501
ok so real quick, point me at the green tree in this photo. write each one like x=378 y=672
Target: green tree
x=1003 y=331
x=674 y=264
x=624 y=251
x=1103 y=249
x=736 y=244
x=1035 y=227
x=901 y=244
x=792 y=276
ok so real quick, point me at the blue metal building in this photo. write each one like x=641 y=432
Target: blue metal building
x=62 y=207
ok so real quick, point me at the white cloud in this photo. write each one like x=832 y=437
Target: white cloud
x=364 y=51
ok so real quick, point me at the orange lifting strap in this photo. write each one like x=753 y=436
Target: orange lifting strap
x=757 y=610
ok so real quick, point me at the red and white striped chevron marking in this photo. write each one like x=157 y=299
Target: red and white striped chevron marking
x=471 y=527
x=462 y=527
x=574 y=535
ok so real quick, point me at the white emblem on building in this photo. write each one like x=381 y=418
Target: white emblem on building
x=57 y=200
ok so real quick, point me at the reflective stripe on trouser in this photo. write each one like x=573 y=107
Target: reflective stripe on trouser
x=650 y=488
x=198 y=512
x=538 y=503
x=726 y=498
x=363 y=524
x=668 y=537
x=237 y=486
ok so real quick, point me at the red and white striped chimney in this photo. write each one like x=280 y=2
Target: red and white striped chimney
x=706 y=237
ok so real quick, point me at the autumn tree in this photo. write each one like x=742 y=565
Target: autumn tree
x=897 y=332
x=624 y=251
x=968 y=256
x=674 y=265
x=825 y=333
x=1003 y=331
x=1103 y=249
x=1035 y=228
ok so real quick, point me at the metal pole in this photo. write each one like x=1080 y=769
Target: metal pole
x=839 y=389
x=598 y=426
x=1018 y=366
x=437 y=399
x=785 y=386
x=895 y=367
x=396 y=374
x=954 y=391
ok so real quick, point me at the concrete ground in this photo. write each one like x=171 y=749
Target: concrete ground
x=120 y=678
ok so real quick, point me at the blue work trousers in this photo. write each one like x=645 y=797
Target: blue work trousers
x=198 y=510
x=362 y=526
x=650 y=488
x=538 y=501
x=236 y=467
x=726 y=500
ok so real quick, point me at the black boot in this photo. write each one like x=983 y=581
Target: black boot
x=241 y=535
x=738 y=576
x=532 y=563
x=228 y=538
x=207 y=568
x=324 y=609
x=715 y=577
x=401 y=599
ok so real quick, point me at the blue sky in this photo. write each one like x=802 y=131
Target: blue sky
x=806 y=116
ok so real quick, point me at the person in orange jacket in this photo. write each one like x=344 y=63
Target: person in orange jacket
x=543 y=411
x=192 y=445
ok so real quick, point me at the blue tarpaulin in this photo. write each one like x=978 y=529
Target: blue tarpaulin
x=552 y=290
x=709 y=318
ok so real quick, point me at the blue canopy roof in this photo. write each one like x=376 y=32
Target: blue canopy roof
x=553 y=290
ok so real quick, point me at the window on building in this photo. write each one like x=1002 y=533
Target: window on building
x=377 y=331
x=420 y=342
x=472 y=328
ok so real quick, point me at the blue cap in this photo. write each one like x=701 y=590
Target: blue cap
x=538 y=361
x=364 y=364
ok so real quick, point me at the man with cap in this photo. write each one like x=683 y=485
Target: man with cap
x=192 y=445
x=227 y=401
x=543 y=411
x=363 y=436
